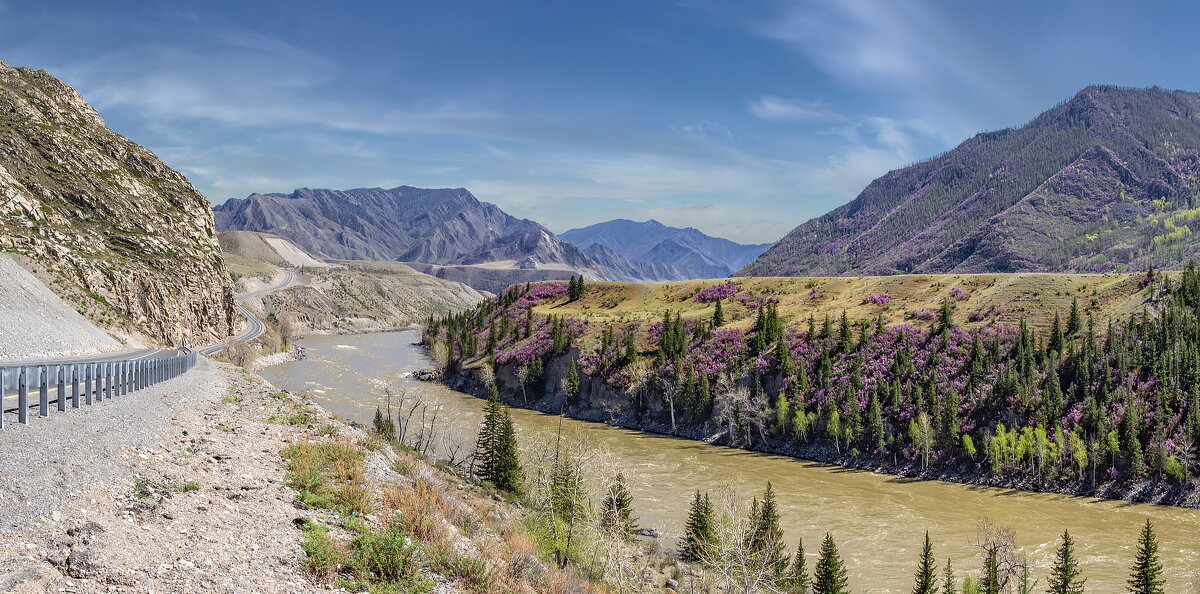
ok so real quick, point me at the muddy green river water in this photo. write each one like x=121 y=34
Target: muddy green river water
x=877 y=520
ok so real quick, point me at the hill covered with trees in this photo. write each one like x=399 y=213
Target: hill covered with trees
x=1075 y=399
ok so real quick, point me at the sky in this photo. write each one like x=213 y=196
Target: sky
x=742 y=118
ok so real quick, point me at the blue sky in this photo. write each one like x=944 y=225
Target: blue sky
x=740 y=118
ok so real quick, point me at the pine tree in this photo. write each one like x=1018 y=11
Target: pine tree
x=700 y=531
x=990 y=584
x=616 y=514
x=572 y=381
x=945 y=316
x=1146 y=574
x=948 y=584
x=926 y=570
x=1055 y=345
x=768 y=536
x=718 y=317
x=1064 y=576
x=496 y=458
x=830 y=574
x=797 y=580
x=1074 y=323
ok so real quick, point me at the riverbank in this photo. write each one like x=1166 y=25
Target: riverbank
x=600 y=403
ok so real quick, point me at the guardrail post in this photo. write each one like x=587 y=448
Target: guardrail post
x=3 y=391
x=107 y=372
x=43 y=391
x=75 y=385
x=61 y=376
x=122 y=378
x=23 y=396
x=87 y=383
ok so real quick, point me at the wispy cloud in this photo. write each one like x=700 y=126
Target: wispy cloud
x=783 y=109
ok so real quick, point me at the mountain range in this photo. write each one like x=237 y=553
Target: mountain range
x=451 y=234
x=653 y=251
x=1104 y=181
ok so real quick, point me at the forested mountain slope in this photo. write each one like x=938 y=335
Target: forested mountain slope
x=1105 y=181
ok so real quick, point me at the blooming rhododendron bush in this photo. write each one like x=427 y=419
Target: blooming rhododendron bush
x=1087 y=401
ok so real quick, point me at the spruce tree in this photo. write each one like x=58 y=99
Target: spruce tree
x=830 y=574
x=496 y=458
x=768 y=536
x=616 y=515
x=1055 y=345
x=1074 y=322
x=700 y=531
x=718 y=317
x=948 y=584
x=1064 y=576
x=797 y=580
x=990 y=584
x=572 y=382
x=1146 y=574
x=926 y=570
x=945 y=317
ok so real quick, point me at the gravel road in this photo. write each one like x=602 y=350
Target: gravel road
x=176 y=488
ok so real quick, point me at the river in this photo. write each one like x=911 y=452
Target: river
x=877 y=520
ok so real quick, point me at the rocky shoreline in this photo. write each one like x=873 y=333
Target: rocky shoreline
x=1160 y=492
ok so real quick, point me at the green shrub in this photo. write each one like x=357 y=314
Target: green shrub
x=322 y=555
x=387 y=555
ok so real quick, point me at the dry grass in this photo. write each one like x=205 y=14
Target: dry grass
x=1033 y=296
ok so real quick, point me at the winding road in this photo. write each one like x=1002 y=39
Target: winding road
x=254 y=326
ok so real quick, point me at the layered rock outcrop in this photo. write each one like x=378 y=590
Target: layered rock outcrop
x=123 y=237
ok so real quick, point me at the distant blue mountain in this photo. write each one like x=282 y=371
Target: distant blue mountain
x=652 y=251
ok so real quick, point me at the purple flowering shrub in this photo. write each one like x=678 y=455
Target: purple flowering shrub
x=716 y=292
x=878 y=299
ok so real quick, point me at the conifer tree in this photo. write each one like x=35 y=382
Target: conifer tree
x=496 y=458
x=926 y=570
x=797 y=580
x=830 y=574
x=945 y=316
x=616 y=515
x=768 y=536
x=1064 y=576
x=1055 y=345
x=990 y=584
x=700 y=531
x=572 y=381
x=1146 y=574
x=1074 y=323
x=949 y=586
x=718 y=317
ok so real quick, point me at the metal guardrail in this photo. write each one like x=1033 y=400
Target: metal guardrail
x=87 y=382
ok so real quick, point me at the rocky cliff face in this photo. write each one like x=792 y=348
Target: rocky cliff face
x=108 y=226
x=1106 y=181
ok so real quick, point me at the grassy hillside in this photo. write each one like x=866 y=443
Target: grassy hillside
x=915 y=298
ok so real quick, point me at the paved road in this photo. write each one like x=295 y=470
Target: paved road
x=254 y=326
